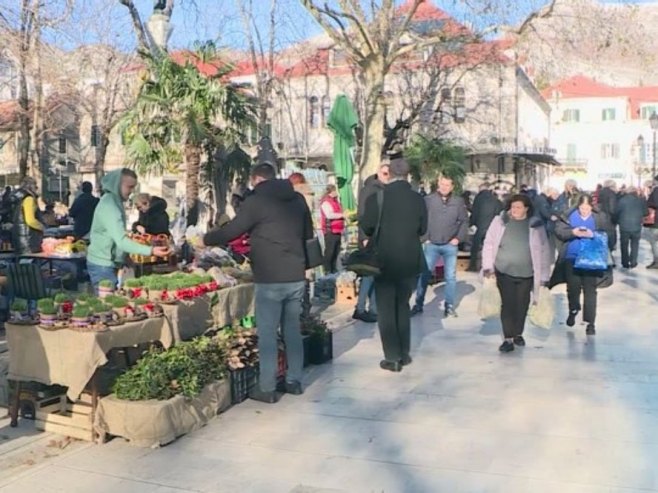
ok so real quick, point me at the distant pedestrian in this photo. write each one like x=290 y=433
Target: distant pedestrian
x=651 y=226
x=447 y=228
x=569 y=197
x=403 y=223
x=577 y=226
x=332 y=222
x=608 y=197
x=516 y=251
x=372 y=185
x=630 y=212
x=82 y=210
x=545 y=206
x=486 y=206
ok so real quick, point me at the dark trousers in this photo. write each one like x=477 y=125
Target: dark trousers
x=394 y=316
x=515 y=296
x=475 y=261
x=630 y=245
x=331 y=251
x=586 y=282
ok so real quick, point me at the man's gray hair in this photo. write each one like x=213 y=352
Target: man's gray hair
x=399 y=168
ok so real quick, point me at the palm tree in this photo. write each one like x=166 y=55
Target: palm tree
x=181 y=113
x=430 y=158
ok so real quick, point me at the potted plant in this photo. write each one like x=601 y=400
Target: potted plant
x=63 y=303
x=19 y=309
x=105 y=288
x=319 y=340
x=105 y=313
x=134 y=288
x=121 y=307
x=139 y=304
x=47 y=312
x=157 y=289
x=80 y=316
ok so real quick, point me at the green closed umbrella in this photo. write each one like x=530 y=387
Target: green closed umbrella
x=342 y=122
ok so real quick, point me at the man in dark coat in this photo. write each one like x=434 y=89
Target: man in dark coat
x=82 y=210
x=486 y=206
x=608 y=204
x=631 y=211
x=153 y=217
x=569 y=198
x=546 y=209
x=278 y=222
x=367 y=286
x=403 y=223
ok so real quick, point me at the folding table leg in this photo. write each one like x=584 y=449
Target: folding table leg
x=14 y=401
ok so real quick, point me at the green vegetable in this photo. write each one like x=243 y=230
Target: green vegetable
x=63 y=298
x=19 y=305
x=106 y=283
x=133 y=283
x=140 y=301
x=119 y=302
x=84 y=297
x=46 y=306
x=81 y=311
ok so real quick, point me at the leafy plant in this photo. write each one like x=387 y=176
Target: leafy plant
x=46 y=306
x=158 y=283
x=119 y=302
x=19 y=305
x=184 y=369
x=107 y=284
x=134 y=283
x=430 y=158
x=314 y=325
x=81 y=311
x=84 y=298
x=63 y=298
x=240 y=346
x=140 y=301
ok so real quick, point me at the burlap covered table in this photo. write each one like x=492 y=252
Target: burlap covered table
x=188 y=319
x=70 y=358
x=152 y=423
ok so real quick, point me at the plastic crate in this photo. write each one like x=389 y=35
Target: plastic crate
x=320 y=349
x=242 y=381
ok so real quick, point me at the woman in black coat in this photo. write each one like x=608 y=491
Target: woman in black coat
x=153 y=217
x=576 y=226
x=400 y=255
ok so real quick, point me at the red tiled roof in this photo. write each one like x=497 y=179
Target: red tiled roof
x=9 y=111
x=426 y=11
x=580 y=86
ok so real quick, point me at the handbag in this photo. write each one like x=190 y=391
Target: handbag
x=650 y=219
x=593 y=253
x=542 y=312
x=364 y=262
x=314 y=256
x=490 y=301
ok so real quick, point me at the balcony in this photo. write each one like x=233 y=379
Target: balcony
x=573 y=163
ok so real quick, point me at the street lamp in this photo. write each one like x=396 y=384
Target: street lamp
x=641 y=158
x=654 y=126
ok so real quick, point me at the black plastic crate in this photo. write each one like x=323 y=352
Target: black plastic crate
x=242 y=381
x=320 y=348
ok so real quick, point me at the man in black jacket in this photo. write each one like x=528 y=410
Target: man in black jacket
x=403 y=222
x=367 y=287
x=608 y=204
x=82 y=210
x=651 y=230
x=486 y=206
x=631 y=211
x=278 y=222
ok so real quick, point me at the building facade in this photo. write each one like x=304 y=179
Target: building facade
x=602 y=132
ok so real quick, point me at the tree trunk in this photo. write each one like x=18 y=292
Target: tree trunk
x=374 y=118
x=101 y=152
x=23 y=97
x=192 y=169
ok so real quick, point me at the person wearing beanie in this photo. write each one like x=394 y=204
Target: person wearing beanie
x=396 y=234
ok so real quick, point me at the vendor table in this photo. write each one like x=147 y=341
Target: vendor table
x=58 y=232
x=70 y=358
x=189 y=319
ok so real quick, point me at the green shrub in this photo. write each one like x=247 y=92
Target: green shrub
x=184 y=369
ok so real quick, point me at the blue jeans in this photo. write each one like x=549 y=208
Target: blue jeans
x=432 y=254
x=279 y=304
x=98 y=273
x=367 y=292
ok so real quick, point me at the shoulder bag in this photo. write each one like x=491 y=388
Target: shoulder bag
x=363 y=261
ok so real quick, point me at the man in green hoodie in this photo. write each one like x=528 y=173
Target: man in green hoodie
x=109 y=238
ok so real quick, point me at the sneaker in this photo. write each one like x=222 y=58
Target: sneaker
x=267 y=397
x=393 y=366
x=450 y=312
x=652 y=266
x=519 y=341
x=366 y=317
x=590 y=330
x=416 y=310
x=293 y=388
x=506 y=347
x=571 y=319
x=406 y=360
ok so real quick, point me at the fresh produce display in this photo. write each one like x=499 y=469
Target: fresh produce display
x=240 y=345
x=19 y=309
x=152 y=241
x=63 y=247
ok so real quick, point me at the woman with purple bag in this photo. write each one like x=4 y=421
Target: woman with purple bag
x=583 y=263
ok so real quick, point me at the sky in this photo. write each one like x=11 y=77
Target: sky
x=106 y=21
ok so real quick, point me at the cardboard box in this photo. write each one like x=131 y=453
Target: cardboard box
x=346 y=294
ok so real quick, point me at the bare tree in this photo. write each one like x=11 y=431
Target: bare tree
x=375 y=36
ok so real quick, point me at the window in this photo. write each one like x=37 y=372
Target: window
x=572 y=152
x=610 y=151
x=61 y=144
x=460 y=105
x=445 y=105
x=95 y=136
x=647 y=111
x=608 y=114
x=326 y=109
x=314 y=112
x=571 y=116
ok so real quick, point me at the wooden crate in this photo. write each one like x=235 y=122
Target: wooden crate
x=462 y=261
x=69 y=419
x=346 y=294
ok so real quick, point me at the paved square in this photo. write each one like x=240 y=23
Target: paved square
x=566 y=414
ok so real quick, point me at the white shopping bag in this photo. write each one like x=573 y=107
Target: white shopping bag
x=542 y=311
x=490 y=301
